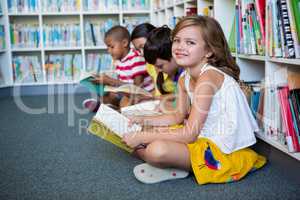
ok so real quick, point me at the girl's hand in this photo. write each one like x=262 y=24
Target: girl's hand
x=132 y=139
x=135 y=120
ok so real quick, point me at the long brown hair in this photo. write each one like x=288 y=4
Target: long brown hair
x=215 y=40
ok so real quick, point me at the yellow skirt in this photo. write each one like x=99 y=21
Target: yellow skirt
x=210 y=165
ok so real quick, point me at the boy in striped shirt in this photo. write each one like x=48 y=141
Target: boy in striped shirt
x=130 y=68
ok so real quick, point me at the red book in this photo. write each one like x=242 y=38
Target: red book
x=260 y=6
x=291 y=137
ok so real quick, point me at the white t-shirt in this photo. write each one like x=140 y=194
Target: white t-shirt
x=229 y=123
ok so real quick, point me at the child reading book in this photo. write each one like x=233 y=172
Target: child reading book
x=130 y=69
x=157 y=51
x=214 y=141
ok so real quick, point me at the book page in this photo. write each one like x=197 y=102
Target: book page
x=128 y=88
x=142 y=109
x=115 y=121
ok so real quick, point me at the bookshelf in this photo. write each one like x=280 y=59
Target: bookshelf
x=57 y=30
x=273 y=72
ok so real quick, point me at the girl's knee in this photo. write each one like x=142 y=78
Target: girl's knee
x=156 y=152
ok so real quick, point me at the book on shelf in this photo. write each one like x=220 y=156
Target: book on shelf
x=61 y=35
x=283 y=33
x=142 y=109
x=249 y=22
x=99 y=62
x=110 y=125
x=63 y=67
x=131 y=21
x=292 y=138
x=60 y=5
x=95 y=30
x=27 y=69
x=16 y=6
x=101 y=5
x=129 y=89
x=24 y=35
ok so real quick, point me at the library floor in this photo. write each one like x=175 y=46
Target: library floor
x=49 y=156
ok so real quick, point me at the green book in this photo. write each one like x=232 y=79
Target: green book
x=296 y=13
x=87 y=81
x=231 y=41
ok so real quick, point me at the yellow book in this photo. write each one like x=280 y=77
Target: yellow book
x=110 y=125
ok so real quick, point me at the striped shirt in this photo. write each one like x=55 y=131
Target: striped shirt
x=131 y=66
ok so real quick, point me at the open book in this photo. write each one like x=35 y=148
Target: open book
x=110 y=125
x=142 y=109
x=128 y=88
x=86 y=79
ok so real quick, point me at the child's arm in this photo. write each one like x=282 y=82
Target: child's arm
x=107 y=80
x=205 y=88
x=168 y=119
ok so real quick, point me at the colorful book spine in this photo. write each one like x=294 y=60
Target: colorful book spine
x=136 y=4
x=60 y=5
x=61 y=35
x=291 y=137
x=132 y=21
x=260 y=7
x=63 y=67
x=287 y=34
x=24 y=35
x=27 y=69
x=293 y=28
x=99 y=62
x=95 y=31
x=101 y=5
x=296 y=13
x=23 y=6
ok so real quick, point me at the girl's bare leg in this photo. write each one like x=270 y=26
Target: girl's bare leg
x=162 y=153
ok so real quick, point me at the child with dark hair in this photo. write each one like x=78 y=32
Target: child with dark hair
x=157 y=51
x=139 y=36
x=130 y=68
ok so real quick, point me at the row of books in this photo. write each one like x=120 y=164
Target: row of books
x=136 y=4
x=250 y=26
x=60 y=5
x=27 y=69
x=282 y=122
x=17 y=6
x=277 y=111
x=103 y=5
x=284 y=31
x=24 y=35
x=63 y=35
x=276 y=107
x=2 y=37
x=25 y=6
x=97 y=62
x=63 y=67
x=95 y=31
x=133 y=20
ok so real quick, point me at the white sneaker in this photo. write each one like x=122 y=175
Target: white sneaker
x=149 y=174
